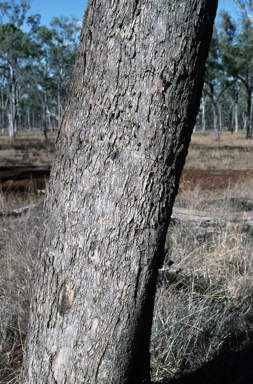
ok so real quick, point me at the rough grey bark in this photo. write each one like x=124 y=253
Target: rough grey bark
x=124 y=136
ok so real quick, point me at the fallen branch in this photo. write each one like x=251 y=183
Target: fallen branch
x=207 y=222
x=18 y=211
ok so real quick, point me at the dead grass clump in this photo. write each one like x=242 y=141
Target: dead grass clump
x=231 y=152
x=28 y=149
x=236 y=198
x=203 y=319
x=19 y=239
x=204 y=315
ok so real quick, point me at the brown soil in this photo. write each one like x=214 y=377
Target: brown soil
x=27 y=179
x=23 y=179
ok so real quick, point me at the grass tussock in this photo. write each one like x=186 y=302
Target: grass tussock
x=203 y=320
x=19 y=239
x=28 y=149
x=204 y=315
x=231 y=152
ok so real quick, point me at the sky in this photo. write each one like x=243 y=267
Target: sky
x=50 y=8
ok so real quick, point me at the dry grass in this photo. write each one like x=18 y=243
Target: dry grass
x=205 y=311
x=27 y=149
x=19 y=238
x=203 y=320
x=231 y=152
x=204 y=315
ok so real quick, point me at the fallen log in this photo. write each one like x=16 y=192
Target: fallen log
x=19 y=211
x=207 y=222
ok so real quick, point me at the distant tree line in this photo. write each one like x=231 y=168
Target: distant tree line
x=35 y=67
x=227 y=96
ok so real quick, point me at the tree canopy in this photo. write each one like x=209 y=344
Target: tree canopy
x=35 y=66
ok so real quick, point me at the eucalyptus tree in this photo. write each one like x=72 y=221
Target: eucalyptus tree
x=125 y=131
x=48 y=73
x=246 y=7
x=66 y=33
x=14 y=11
x=39 y=70
x=216 y=81
x=212 y=83
x=15 y=46
x=237 y=58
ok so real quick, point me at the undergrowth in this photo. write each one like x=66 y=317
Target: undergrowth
x=203 y=320
x=19 y=239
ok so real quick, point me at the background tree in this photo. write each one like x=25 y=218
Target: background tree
x=62 y=53
x=212 y=83
x=129 y=114
x=36 y=65
x=15 y=45
x=15 y=11
x=246 y=6
x=237 y=59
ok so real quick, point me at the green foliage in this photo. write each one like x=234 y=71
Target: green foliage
x=14 y=11
x=37 y=64
x=229 y=72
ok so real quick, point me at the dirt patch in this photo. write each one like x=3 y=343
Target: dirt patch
x=23 y=179
x=213 y=179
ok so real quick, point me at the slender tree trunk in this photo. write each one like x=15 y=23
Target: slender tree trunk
x=203 y=108
x=130 y=111
x=236 y=117
x=59 y=97
x=18 y=122
x=220 y=117
x=215 y=119
x=232 y=116
x=245 y=118
x=249 y=120
x=3 y=109
x=28 y=120
x=45 y=116
x=12 y=99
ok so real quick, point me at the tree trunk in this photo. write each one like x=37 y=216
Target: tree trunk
x=220 y=117
x=232 y=115
x=3 y=109
x=45 y=116
x=203 y=107
x=245 y=118
x=28 y=120
x=215 y=118
x=59 y=97
x=125 y=131
x=249 y=120
x=12 y=99
x=236 y=117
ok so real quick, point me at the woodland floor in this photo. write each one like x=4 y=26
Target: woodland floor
x=25 y=162
x=203 y=320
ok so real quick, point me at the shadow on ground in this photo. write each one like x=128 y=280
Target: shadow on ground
x=229 y=367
